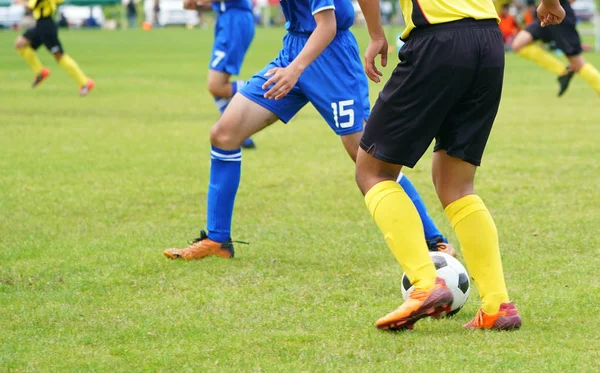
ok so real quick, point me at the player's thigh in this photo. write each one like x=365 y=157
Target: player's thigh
x=467 y=126
x=242 y=119
x=234 y=31
x=337 y=87
x=430 y=79
x=285 y=108
x=351 y=143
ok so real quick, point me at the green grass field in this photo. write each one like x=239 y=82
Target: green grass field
x=93 y=190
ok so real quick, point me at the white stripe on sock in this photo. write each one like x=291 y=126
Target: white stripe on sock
x=225 y=156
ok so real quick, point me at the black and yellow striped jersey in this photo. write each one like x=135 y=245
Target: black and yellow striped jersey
x=420 y=13
x=43 y=8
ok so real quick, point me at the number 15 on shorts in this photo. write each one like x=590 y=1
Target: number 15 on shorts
x=341 y=110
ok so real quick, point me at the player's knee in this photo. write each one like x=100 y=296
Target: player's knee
x=223 y=137
x=521 y=40
x=449 y=191
x=576 y=62
x=516 y=45
x=217 y=89
x=58 y=56
x=20 y=42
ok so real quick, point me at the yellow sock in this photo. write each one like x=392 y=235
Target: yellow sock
x=399 y=221
x=69 y=64
x=546 y=60
x=592 y=76
x=31 y=58
x=476 y=232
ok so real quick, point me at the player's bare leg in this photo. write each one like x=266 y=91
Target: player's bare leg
x=222 y=89
x=399 y=221
x=23 y=47
x=242 y=119
x=476 y=231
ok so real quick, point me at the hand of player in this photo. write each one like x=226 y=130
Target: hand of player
x=375 y=47
x=551 y=14
x=282 y=81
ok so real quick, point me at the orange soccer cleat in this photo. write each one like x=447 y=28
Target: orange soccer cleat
x=507 y=318
x=202 y=247
x=85 y=89
x=438 y=244
x=41 y=77
x=419 y=304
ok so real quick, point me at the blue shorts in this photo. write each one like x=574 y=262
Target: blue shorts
x=334 y=83
x=234 y=32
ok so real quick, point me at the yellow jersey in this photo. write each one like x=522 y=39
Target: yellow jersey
x=43 y=8
x=420 y=13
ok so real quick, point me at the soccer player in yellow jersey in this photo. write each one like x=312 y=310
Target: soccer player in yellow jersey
x=45 y=32
x=447 y=86
x=567 y=40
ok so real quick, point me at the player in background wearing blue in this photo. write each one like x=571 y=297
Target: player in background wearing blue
x=234 y=31
x=317 y=44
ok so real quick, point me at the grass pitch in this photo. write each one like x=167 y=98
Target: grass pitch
x=93 y=189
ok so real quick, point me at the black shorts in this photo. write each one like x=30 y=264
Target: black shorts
x=565 y=36
x=45 y=32
x=447 y=86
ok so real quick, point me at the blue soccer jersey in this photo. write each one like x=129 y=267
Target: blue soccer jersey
x=299 y=14
x=223 y=6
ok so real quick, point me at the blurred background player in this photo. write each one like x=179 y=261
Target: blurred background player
x=46 y=32
x=567 y=39
x=508 y=26
x=319 y=63
x=234 y=31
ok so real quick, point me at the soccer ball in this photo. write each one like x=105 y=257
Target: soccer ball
x=455 y=275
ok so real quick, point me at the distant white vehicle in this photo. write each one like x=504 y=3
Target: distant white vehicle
x=584 y=9
x=11 y=16
x=75 y=15
x=171 y=13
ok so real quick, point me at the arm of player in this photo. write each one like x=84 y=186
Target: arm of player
x=550 y=12
x=284 y=79
x=378 y=44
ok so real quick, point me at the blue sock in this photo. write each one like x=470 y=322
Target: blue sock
x=431 y=231
x=225 y=171
x=222 y=102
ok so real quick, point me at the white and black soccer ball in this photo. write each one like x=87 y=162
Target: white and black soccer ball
x=455 y=275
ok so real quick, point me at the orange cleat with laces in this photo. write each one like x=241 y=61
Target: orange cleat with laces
x=419 y=304
x=202 y=247
x=438 y=244
x=507 y=318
